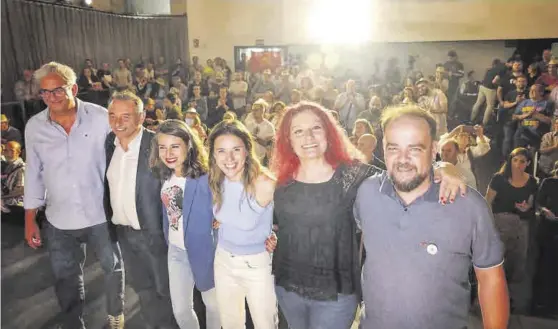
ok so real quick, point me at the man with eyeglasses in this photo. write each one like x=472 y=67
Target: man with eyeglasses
x=65 y=172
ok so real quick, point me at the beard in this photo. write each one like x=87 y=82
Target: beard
x=411 y=184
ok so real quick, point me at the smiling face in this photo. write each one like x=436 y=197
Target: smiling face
x=230 y=156
x=172 y=152
x=308 y=136
x=61 y=97
x=409 y=151
x=124 y=119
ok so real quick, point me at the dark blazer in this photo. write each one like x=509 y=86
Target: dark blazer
x=199 y=236
x=148 y=189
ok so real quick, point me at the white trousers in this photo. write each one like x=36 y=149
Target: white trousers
x=245 y=277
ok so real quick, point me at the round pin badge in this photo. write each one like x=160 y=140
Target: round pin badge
x=432 y=249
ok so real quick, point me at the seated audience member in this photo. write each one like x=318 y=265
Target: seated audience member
x=449 y=151
x=549 y=149
x=238 y=89
x=88 y=81
x=372 y=115
x=122 y=77
x=182 y=90
x=151 y=119
x=360 y=128
x=215 y=86
x=276 y=113
x=198 y=81
x=12 y=176
x=192 y=119
x=172 y=109
x=261 y=129
x=534 y=116
x=367 y=145
x=220 y=106
x=296 y=96
x=467 y=152
x=150 y=71
x=159 y=90
x=284 y=87
x=8 y=132
x=511 y=194
x=549 y=80
x=25 y=89
x=263 y=85
x=511 y=100
x=105 y=76
x=199 y=102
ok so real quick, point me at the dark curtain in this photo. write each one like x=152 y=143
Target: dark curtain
x=35 y=33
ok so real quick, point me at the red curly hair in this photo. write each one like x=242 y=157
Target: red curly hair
x=339 y=150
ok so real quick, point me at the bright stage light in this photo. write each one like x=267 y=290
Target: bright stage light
x=334 y=21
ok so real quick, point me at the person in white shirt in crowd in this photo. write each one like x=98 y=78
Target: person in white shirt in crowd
x=549 y=149
x=349 y=104
x=238 y=89
x=137 y=223
x=181 y=89
x=25 y=89
x=449 y=151
x=261 y=129
x=435 y=102
x=263 y=85
x=467 y=152
x=284 y=88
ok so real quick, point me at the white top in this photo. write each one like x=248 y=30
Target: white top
x=121 y=177
x=172 y=195
x=263 y=130
x=463 y=161
x=235 y=88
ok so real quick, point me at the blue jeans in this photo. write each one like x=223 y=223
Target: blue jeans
x=181 y=284
x=67 y=257
x=509 y=132
x=303 y=313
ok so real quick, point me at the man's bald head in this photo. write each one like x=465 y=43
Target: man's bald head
x=367 y=144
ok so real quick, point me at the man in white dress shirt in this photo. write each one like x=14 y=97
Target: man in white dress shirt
x=133 y=204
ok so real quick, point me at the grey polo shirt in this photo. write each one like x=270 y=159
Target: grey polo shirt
x=416 y=273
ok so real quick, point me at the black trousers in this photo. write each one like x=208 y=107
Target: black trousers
x=145 y=261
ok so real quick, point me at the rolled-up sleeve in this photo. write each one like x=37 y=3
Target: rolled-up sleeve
x=482 y=147
x=34 y=195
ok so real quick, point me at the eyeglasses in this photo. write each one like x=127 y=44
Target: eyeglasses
x=56 y=92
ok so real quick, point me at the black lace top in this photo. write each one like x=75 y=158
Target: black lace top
x=317 y=250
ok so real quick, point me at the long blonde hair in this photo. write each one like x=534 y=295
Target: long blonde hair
x=252 y=166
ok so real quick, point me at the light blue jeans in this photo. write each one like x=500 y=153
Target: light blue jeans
x=303 y=313
x=181 y=284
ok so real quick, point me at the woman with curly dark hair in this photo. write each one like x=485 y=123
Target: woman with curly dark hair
x=179 y=159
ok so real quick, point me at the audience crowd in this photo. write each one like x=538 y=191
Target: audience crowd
x=510 y=113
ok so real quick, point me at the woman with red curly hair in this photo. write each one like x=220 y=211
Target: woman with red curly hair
x=316 y=261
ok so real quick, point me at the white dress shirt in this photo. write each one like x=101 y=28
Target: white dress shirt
x=121 y=177
x=263 y=130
